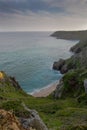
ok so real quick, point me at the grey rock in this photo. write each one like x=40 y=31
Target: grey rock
x=59 y=89
x=58 y=65
x=85 y=85
x=34 y=121
x=64 y=69
x=75 y=50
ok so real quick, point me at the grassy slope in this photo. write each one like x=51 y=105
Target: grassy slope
x=62 y=114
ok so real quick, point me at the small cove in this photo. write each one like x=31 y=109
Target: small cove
x=29 y=57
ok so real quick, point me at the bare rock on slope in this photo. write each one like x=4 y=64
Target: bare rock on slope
x=34 y=121
x=59 y=89
x=61 y=66
x=8 y=121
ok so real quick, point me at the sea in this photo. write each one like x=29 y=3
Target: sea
x=29 y=57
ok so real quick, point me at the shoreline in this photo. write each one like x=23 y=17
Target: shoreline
x=44 y=92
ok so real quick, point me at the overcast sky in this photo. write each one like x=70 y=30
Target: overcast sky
x=43 y=15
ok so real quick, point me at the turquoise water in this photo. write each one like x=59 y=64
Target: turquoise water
x=29 y=57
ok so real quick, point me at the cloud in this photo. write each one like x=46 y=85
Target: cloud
x=30 y=15
x=12 y=6
x=21 y=5
x=40 y=21
x=57 y=6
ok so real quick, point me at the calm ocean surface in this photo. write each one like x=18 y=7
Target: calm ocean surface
x=29 y=57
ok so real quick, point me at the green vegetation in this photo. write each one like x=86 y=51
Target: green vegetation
x=74 y=83
x=73 y=62
x=62 y=114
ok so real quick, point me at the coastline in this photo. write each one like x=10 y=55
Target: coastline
x=44 y=92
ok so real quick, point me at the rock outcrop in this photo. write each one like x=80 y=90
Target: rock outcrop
x=78 y=60
x=59 y=89
x=8 y=121
x=60 y=66
x=85 y=85
x=34 y=121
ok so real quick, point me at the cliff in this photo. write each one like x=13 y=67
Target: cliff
x=75 y=70
x=78 y=60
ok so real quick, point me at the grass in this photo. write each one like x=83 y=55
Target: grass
x=74 y=83
x=61 y=114
x=55 y=113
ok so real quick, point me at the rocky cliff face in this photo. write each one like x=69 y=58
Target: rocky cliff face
x=75 y=67
x=59 y=90
x=78 y=60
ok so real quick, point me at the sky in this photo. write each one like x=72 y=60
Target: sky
x=43 y=15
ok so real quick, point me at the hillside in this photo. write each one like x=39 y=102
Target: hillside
x=66 y=113
x=13 y=98
x=75 y=70
x=71 y=35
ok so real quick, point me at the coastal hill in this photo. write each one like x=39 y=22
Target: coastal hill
x=12 y=102
x=74 y=68
x=70 y=35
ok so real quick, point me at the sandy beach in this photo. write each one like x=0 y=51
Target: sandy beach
x=45 y=91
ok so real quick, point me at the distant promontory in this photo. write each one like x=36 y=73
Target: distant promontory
x=70 y=35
